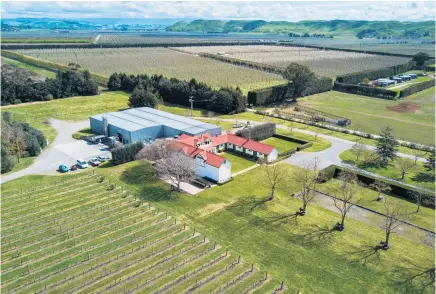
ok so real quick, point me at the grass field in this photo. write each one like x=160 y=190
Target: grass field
x=417 y=176
x=79 y=235
x=368 y=198
x=160 y=61
x=286 y=250
x=24 y=162
x=39 y=71
x=326 y=63
x=70 y=109
x=371 y=115
x=44 y=40
x=238 y=163
x=280 y=144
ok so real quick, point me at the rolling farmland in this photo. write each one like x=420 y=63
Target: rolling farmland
x=326 y=63
x=84 y=235
x=159 y=61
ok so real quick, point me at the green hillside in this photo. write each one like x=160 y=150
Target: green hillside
x=335 y=28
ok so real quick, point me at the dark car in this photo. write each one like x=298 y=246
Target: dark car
x=73 y=167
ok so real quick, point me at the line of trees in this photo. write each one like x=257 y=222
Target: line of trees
x=18 y=140
x=148 y=91
x=20 y=85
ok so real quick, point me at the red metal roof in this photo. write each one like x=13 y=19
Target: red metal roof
x=212 y=158
x=259 y=147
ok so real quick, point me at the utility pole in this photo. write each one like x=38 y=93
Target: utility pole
x=192 y=103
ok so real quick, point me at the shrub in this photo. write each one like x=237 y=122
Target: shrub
x=305 y=146
x=137 y=204
x=7 y=161
x=33 y=147
x=126 y=153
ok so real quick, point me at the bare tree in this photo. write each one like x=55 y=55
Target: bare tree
x=291 y=126
x=17 y=137
x=346 y=195
x=419 y=197
x=210 y=114
x=418 y=154
x=394 y=215
x=274 y=176
x=306 y=179
x=404 y=165
x=358 y=149
x=171 y=162
x=177 y=167
x=218 y=121
x=380 y=187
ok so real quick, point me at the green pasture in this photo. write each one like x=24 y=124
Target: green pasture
x=417 y=176
x=367 y=197
x=288 y=251
x=369 y=114
x=70 y=109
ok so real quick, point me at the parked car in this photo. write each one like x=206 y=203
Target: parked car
x=73 y=167
x=238 y=125
x=94 y=162
x=81 y=163
x=63 y=168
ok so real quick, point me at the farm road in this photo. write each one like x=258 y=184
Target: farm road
x=50 y=159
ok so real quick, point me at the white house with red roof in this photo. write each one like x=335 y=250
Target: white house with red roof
x=205 y=149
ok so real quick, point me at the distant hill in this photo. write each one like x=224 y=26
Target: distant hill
x=333 y=28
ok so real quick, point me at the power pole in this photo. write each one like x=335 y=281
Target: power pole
x=192 y=103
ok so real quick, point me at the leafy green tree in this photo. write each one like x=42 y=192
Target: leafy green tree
x=301 y=78
x=33 y=146
x=7 y=161
x=142 y=97
x=386 y=146
x=430 y=163
x=420 y=58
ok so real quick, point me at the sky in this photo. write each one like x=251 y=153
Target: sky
x=288 y=11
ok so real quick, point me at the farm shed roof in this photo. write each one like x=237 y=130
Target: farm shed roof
x=143 y=117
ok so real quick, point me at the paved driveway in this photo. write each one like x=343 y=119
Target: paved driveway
x=63 y=150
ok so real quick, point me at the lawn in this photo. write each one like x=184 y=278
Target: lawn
x=39 y=71
x=238 y=163
x=280 y=144
x=412 y=118
x=368 y=198
x=70 y=109
x=417 y=176
x=286 y=250
x=83 y=132
x=24 y=162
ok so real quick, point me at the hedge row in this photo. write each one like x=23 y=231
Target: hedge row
x=305 y=146
x=366 y=91
x=50 y=65
x=417 y=88
x=290 y=139
x=126 y=153
x=355 y=78
x=258 y=132
x=398 y=189
x=94 y=46
x=282 y=92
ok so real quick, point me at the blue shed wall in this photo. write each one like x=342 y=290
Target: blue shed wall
x=170 y=132
x=96 y=126
x=152 y=133
x=113 y=131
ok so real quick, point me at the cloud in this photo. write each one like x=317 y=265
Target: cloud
x=289 y=11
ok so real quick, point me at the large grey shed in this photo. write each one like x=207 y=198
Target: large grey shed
x=147 y=124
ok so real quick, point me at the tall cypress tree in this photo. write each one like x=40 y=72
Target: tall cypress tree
x=386 y=145
x=430 y=163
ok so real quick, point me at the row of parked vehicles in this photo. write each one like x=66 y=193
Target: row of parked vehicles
x=82 y=164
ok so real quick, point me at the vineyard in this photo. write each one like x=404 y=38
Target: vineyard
x=159 y=61
x=138 y=39
x=326 y=63
x=86 y=235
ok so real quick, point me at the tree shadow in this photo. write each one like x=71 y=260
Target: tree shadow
x=365 y=254
x=319 y=235
x=151 y=188
x=423 y=177
x=247 y=205
x=275 y=221
x=415 y=278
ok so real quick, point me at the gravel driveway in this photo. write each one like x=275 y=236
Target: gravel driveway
x=63 y=150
